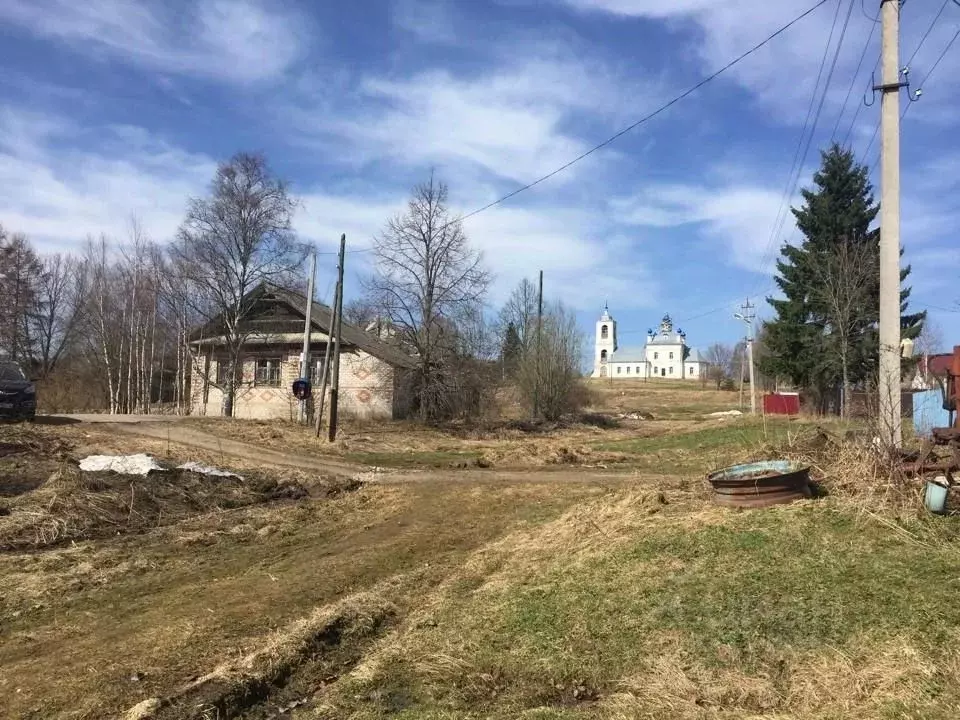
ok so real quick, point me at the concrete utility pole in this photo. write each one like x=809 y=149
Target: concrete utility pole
x=335 y=382
x=890 y=227
x=747 y=317
x=536 y=388
x=305 y=357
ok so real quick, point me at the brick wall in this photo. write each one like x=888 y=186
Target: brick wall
x=366 y=389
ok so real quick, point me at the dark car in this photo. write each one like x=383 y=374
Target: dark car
x=18 y=395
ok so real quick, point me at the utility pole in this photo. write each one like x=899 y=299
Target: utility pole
x=325 y=375
x=890 y=226
x=305 y=357
x=335 y=384
x=536 y=387
x=743 y=359
x=747 y=317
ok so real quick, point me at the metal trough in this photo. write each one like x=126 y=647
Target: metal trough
x=760 y=484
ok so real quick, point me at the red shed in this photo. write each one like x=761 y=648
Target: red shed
x=781 y=403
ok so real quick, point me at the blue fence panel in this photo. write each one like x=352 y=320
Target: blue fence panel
x=928 y=412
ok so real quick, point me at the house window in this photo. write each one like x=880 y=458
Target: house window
x=671 y=356
x=603 y=356
x=638 y=369
x=656 y=356
x=223 y=371
x=654 y=369
x=315 y=371
x=671 y=369
x=628 y=369
x=604 y=332
x=618 y=369
x=268 y=372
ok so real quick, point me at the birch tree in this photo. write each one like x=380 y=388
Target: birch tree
x=231 y=241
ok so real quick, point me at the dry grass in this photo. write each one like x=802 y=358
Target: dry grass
x=507 y=597
x=177 y=601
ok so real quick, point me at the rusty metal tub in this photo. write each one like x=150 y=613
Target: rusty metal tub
x=760 y=484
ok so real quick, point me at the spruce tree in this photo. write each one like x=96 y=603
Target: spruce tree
x=803 y=340
x=512 y=350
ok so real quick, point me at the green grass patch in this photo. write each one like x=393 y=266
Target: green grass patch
x=741 y=613
x=415 y=459
x=702 y=449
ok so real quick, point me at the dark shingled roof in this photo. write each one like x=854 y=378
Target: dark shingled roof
x=321 y=319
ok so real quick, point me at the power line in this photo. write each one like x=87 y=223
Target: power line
x=933 y=69
x=913 y=55
x=927 y=33
x=784 y=199
x=649 y=116
x=792 y=187
x=853 y=81
x=922 y=83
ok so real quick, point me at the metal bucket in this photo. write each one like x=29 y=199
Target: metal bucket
x=935 y=495
x=760 y=484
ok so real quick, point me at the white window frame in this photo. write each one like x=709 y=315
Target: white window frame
x=274 y=372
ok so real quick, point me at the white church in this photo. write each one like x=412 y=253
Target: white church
x=665 y=356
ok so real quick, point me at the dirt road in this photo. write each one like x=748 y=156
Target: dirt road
x=168 y=428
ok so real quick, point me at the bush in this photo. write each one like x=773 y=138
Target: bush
x=549 y=374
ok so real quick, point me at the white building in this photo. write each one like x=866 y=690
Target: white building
x=665 y=355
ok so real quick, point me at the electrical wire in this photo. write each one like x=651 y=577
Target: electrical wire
x=913 y=55
x=860 y=105
x=926 y=77
x=933 y=69
x=927 y=33
x=792 y=185
x=784 y=198
x=646 y=118
x=853 y=81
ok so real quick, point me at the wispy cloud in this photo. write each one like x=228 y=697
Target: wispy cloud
x=231 y=40
x=739 y=216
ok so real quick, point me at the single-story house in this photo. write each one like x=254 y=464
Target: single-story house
x=371 y=369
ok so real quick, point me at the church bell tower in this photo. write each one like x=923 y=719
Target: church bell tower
x=605 y=343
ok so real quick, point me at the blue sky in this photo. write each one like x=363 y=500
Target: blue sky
x=113 y=108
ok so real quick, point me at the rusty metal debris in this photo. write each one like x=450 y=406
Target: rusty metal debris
x=760 y=484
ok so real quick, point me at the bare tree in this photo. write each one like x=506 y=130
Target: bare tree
x=549 y=374
x=20 y=272
x=719 y=358
x=231 y=242
x=520 y=310
x=845 y=281
x=61 y=293
x=930 y=341
x=361 y=313
x=426 y=276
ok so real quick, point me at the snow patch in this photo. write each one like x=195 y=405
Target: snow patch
x=725 y=413
x=207 y=470
x=141 y=464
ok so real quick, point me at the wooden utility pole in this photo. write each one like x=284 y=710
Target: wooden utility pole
x=536 y=387
x=889 y=425
x=325 y=375
x=305 y=357
x=335 y=384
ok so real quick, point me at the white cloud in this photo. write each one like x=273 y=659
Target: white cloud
x=232 y=40
x=58 y=197
x=514 y=122
x=644 y=8
x=739 y=216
